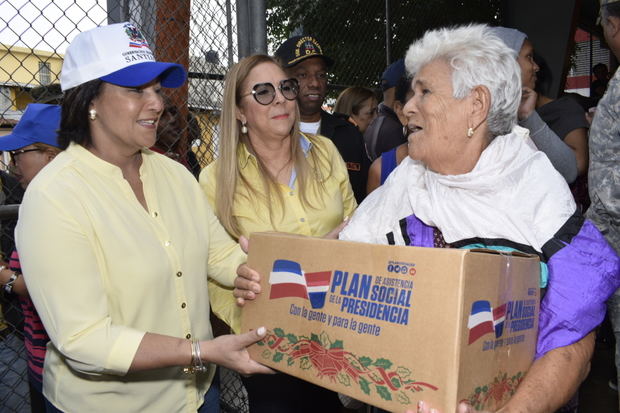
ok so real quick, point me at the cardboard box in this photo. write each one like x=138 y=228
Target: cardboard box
x=394 y=325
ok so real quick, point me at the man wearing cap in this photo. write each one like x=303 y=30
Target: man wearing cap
x=302 y=57
x=386 y=131
x=32 y=145
x=604 y=169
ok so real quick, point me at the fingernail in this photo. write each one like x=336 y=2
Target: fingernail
x=261 y=331
x=420 y=406
x=346 y=218
x=434 y=411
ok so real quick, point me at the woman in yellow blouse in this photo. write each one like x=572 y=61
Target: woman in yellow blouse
x=115 y=265
x=271 y=177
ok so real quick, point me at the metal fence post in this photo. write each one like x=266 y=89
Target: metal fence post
x=251 y=27
x=243 y=28
x=118 y=10
x=388 y=34
x=258 y=25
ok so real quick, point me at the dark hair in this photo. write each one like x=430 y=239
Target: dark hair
x=403 y=86
x=169 y=128
x=611 y=9
x=74 y=123
x=599 y=65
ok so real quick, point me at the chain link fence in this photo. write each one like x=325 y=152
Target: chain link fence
x=365 y=36
x=362 y=36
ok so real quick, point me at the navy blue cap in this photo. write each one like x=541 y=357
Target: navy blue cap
x=392 y=74
x=39 y=124
x=298 y=48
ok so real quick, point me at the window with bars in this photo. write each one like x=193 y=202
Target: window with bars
x=45 y=73
x=5 y=99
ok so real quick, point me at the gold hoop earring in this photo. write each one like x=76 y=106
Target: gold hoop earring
x=470 y=132
x=92 y=114
x=244 y=129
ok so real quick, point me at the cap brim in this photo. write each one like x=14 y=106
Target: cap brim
x=328 y=60
x=14 y=141
x=170 y=75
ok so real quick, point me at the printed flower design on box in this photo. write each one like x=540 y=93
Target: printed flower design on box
x=493 y=394
x=332 y=361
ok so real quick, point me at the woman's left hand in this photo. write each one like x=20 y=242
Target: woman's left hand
x=247 y=284
x=528 y=103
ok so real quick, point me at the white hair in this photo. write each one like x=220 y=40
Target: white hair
x=477 y=57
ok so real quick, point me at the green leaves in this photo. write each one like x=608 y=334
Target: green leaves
x=364 y=385
x=365 y=361
x=383 y=363
x=384 y=392
x=337 y=344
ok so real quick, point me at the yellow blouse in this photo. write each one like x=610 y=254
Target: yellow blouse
x=328 y=209
x=102 y=271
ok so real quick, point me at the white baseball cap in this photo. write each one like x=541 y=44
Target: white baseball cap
x=117 y=54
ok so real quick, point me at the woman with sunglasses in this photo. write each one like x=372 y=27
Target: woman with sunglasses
x=116 y=267
x=271 y=177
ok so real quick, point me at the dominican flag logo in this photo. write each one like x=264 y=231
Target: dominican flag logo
x=499 y=316
x=287 y=279
x=317 y=284
x=483 y=319
x=480 y=320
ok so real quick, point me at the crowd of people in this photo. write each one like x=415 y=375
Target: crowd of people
x=116 y=278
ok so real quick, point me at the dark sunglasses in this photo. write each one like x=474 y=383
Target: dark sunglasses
x=14 y=154
x=265 y=93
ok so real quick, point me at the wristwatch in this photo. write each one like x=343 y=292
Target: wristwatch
x=8 y=287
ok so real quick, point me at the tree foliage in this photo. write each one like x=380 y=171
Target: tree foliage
x=353 y=32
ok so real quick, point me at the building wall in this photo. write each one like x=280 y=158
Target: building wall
x=20 y=72
x=206 y=149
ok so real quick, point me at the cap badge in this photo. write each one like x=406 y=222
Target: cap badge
x=135 y=37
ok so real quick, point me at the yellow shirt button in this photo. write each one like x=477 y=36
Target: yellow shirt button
x=188 y=336
x=167 y=243
x=183 y=305
x=179 y=274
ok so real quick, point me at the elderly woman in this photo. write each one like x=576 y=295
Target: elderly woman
x=271 y=177
x=474 y=179
x=116 y=267
x=359 y=104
